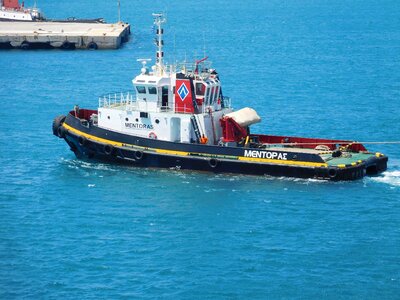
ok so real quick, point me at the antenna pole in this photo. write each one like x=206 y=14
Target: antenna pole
x=174 y=47
x=119 y=11
x=204 y=44
x=158 y=21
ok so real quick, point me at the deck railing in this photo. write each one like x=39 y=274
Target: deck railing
x=127 y=101
x=118 y=100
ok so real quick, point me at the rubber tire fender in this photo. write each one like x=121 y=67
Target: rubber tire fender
x=138 y=155
x=108 y=149
x=92 y=46
x=82 y=140
x=61 y=132
x=58 y=121
x=25 y=45
x=213 y=162
x=67 y=45
x=332 y=173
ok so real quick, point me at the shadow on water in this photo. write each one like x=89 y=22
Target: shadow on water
x=35 y=46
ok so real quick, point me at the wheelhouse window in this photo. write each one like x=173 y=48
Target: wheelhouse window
x=216 y=94
x=208 y=95
x=152 y=90
x=200 y=89
x=211 y=99
x=141 y=89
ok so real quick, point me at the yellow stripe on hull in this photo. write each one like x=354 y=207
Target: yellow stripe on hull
x=172 y=152
x=91 y=137
x=283 y=162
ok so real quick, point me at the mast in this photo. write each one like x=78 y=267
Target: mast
x=119 y=11
x=158 y=21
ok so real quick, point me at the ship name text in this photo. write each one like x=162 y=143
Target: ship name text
x=139 y=126
x=265 y=154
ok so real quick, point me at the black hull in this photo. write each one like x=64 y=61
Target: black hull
x=104 y=145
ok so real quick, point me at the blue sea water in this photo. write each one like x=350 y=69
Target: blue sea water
x=72 y=229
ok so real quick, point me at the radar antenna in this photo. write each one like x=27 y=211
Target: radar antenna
x=144 y=61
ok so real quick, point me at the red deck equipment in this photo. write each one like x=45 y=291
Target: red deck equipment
x=231 y=130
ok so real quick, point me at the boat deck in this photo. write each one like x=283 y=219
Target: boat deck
x=295 y=149
x=347 y=158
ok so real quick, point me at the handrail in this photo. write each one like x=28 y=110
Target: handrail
x=118 y=99
x=128 y=101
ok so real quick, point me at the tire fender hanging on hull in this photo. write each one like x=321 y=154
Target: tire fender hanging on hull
x=108 y=149
x=58 y=121
x=138 y=155
x=82 y=140
x=213 y=163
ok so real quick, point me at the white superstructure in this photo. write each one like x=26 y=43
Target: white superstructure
x=178 y=103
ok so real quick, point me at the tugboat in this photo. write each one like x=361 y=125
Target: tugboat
x=178 y=118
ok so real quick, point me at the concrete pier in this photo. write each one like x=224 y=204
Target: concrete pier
x=66 y=35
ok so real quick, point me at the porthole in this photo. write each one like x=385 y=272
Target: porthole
x=108 y=117
x=126 y=119
x=137 y=120
x=157 y=121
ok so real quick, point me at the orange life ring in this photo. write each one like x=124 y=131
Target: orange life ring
x=152 y=135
